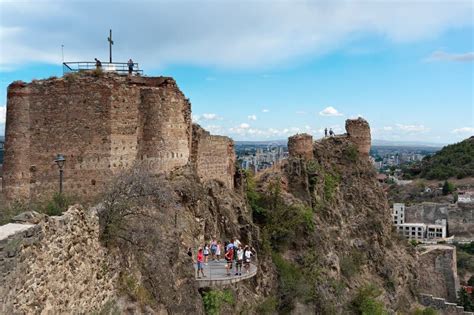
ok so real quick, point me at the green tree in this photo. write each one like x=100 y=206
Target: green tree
x=470 y=282
x=447 y=188
x=465 y=300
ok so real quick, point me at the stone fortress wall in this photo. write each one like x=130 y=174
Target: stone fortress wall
x=213 y=156
x=102 y=124
x=301 y=146
x=358 y=131
x=438 y=271
x=55 y=265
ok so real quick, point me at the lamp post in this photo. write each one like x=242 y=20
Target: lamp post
x=60 y=160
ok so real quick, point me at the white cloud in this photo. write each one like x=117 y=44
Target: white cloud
x=210 y=116
x=265 y=110
x=244 y=126
x=257 y=34
x=252 y=117
x=388 y=128
x=195 y=118
x=412 y=128
x=214 y=129
x=329 y=111
x=440 y=55
x=3 y=114
x=460 y=130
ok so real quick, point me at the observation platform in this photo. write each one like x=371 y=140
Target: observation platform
x=216 y=274
x=118 y=67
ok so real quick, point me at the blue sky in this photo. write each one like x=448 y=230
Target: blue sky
x=266 y=70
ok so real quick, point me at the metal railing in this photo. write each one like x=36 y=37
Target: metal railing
x=118 y=67
x=215 y=271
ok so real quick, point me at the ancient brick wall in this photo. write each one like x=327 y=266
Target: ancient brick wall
x=301 y=146
x=213 y=156
x=102 y=124
x=358 y=131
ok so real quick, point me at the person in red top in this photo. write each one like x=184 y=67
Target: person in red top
x=200 y=262
x=229 y=256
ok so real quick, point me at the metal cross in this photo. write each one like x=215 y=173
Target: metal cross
x=111 y=42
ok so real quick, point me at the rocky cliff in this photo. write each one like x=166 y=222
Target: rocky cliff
x=344 y=240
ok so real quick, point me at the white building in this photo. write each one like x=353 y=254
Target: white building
x=466 y=197
x=398 y=212
x=417 y=231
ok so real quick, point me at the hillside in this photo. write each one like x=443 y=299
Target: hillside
x=455 y=160
x=327 y=225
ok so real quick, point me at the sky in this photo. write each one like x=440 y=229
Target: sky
x=261 y=70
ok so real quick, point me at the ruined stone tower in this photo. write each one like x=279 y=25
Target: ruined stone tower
x=301 y=146
x=358 y=131
x=102 y=124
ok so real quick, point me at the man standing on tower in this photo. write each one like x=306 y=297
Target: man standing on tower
x=130 y=66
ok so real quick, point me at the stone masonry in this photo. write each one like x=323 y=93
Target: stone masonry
x=55 y=266
x=213 y=156
x=438 y=271
x=301 y=146
x=102 y=124
x=358 y=131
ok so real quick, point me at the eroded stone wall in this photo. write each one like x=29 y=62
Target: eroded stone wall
x=301 y=146
x=213 y=156
x=102 y=124
x=358 y=131
x=438 y=271
x=56 y=266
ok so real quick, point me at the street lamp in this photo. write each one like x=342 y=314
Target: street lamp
x=60 y=160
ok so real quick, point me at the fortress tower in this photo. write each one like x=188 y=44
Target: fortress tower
x=358 y=131
x=301 y=146
x=102 y=124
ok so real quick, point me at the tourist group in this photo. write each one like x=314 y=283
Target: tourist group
x=233 y=252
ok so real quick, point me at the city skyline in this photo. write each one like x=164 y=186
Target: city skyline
x=265 y=71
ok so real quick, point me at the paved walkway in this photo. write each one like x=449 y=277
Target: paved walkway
x=216 y=274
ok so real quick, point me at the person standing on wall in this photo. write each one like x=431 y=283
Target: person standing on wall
x=130 y=66
x=98 y=64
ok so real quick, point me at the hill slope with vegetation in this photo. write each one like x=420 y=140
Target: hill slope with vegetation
x=455 y=160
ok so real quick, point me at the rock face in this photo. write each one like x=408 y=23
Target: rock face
x=301 y=145
x=213 y=156
x=56 y=266
x=352 y=243
x=102 y=124
x=358 y=131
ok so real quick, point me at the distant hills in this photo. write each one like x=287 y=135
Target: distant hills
x=455 y=160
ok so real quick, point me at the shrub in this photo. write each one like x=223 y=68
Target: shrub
x=448 y=188
x=57 y=205
x=366 y=303
x=214 y=299
x=351 y=153
x=129 y=285
x=330 y=183
x=350 y=264
x=268 y=306
x=425 y=311
x=8 y=212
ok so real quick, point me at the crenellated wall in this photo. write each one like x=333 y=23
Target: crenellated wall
x=102 y=124
x=213 y=156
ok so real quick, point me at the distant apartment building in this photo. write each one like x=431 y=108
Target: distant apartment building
x=417 y=231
